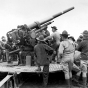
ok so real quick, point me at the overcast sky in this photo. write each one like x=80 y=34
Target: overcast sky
x=17 y=12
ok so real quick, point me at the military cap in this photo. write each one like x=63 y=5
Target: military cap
x=81 y=36
x=64 y=33
x=40 y=38
x=85 y=33
x=79 y=39
x=71 y=37
x=54 y=27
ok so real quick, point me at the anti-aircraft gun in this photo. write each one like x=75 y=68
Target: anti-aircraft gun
x=23 y=33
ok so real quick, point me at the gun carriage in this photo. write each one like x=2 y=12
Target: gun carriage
x=24 y=37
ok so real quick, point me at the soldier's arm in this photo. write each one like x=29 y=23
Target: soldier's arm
x=1 y=47
x=61 y=49
x=47 y=33
x=80 y=46
x=49 y=49
x=49 y=37
x=35 y=50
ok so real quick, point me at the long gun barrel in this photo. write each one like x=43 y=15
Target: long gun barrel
x=48 y=23
x=37 y=24
x=44 y=26
x=41 y=29
x=14 y=51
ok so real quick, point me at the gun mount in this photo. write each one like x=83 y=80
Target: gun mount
x=25 y=32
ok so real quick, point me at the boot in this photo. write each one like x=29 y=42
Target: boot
x=68 y=83
x=75 y=80
x=45 y=79
x=71 y=82
x=84 y=82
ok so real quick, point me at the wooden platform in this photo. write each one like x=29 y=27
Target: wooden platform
x=12 y=68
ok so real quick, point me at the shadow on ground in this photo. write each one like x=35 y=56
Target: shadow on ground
x=56 y=80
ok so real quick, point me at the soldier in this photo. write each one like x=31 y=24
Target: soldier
x=10 y=46
x=56 y=40
x=55 y=35
x=42 y=52
x=83 y=48
x=1 y=48
x=3 y=42
x=72 y=38
x=79 y=40
x=45 y=32
x=66 y=53
x=76 y=65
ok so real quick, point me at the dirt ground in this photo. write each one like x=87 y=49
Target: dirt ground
x=56 y=80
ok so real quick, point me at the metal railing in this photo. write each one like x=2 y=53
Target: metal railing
x=5 y=82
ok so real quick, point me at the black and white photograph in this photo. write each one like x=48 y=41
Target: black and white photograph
x=43 y=43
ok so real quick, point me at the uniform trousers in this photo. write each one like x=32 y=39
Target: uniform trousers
x=67 y=64
x=45 y=74
x=83 y=65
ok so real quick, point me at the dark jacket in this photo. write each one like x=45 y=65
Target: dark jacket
x=83 y=48
x=42 y=52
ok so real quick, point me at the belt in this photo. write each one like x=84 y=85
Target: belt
x=69 y=52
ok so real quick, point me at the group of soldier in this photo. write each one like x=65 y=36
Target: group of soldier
x=61 y=51
x=65 y=49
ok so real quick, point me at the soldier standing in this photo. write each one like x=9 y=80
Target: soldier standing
x=55 y=36
x=76 y=64
x=83 y=48
x=42 y=52
x=66 y=53
x=2 y=46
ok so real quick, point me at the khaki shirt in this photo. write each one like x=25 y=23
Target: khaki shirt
x=56 y=36
x=66 y=49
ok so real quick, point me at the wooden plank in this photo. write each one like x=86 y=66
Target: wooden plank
x=12 y=68
x=5 y=80
x=19 y=69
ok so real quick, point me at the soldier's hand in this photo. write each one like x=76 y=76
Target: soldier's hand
x=18 y=41
x=44 y=39
x=54 y=52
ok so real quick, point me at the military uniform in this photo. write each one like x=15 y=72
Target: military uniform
x=42 y=51
x=4 y=51
x=67 y=49
x=66 y=53
x=55 y=36
x=83 y=48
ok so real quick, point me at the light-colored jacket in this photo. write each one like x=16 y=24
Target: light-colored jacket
x=66 y=50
